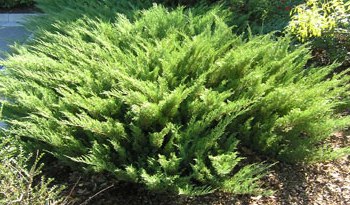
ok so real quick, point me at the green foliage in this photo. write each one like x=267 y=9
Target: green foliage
x=316 y=18
x=261 y=16
x=163 y=100
x=14 y=3
x=103 y=9
x=330 y=48
x=325 y=25
x=65 y=11
x=19 y=172
x=19 y=182
x=183 y=2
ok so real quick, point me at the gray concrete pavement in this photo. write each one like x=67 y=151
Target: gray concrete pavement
x=11 y=29
x=10 y=35
x=11 y=32
x=10 y=20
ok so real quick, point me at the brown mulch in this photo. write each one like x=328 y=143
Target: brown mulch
x=318 y=184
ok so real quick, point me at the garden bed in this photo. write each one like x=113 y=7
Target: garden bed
x=321 y=183
x=159 y=105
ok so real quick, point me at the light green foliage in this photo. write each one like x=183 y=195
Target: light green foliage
x=19 y=182
x=19 y=176
x=317 y=18
x=14 y=3
x=164 y=99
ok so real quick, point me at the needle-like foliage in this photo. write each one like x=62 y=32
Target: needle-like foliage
x=164 y=100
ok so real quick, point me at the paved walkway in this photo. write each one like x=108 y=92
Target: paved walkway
x=9 y=19
x=11 y=31
x=10 y=35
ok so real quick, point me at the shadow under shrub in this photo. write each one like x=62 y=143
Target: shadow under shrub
x=164 y=100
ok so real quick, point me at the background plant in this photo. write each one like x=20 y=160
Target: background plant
x=261 y=17
x=319 y=18
x=325 y=25
x=14 y=3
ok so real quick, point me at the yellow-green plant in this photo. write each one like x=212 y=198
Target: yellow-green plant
x=151 y=116
x=316 y=18
x=18 y=178
x=166 y=99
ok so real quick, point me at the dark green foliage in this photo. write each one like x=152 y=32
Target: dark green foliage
x=14 y=3
x=186 y=2
x=104 y=9
x=327 y=49
x=261 y=16
x=179 y=2
x=164 y=100
x=71 y=10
